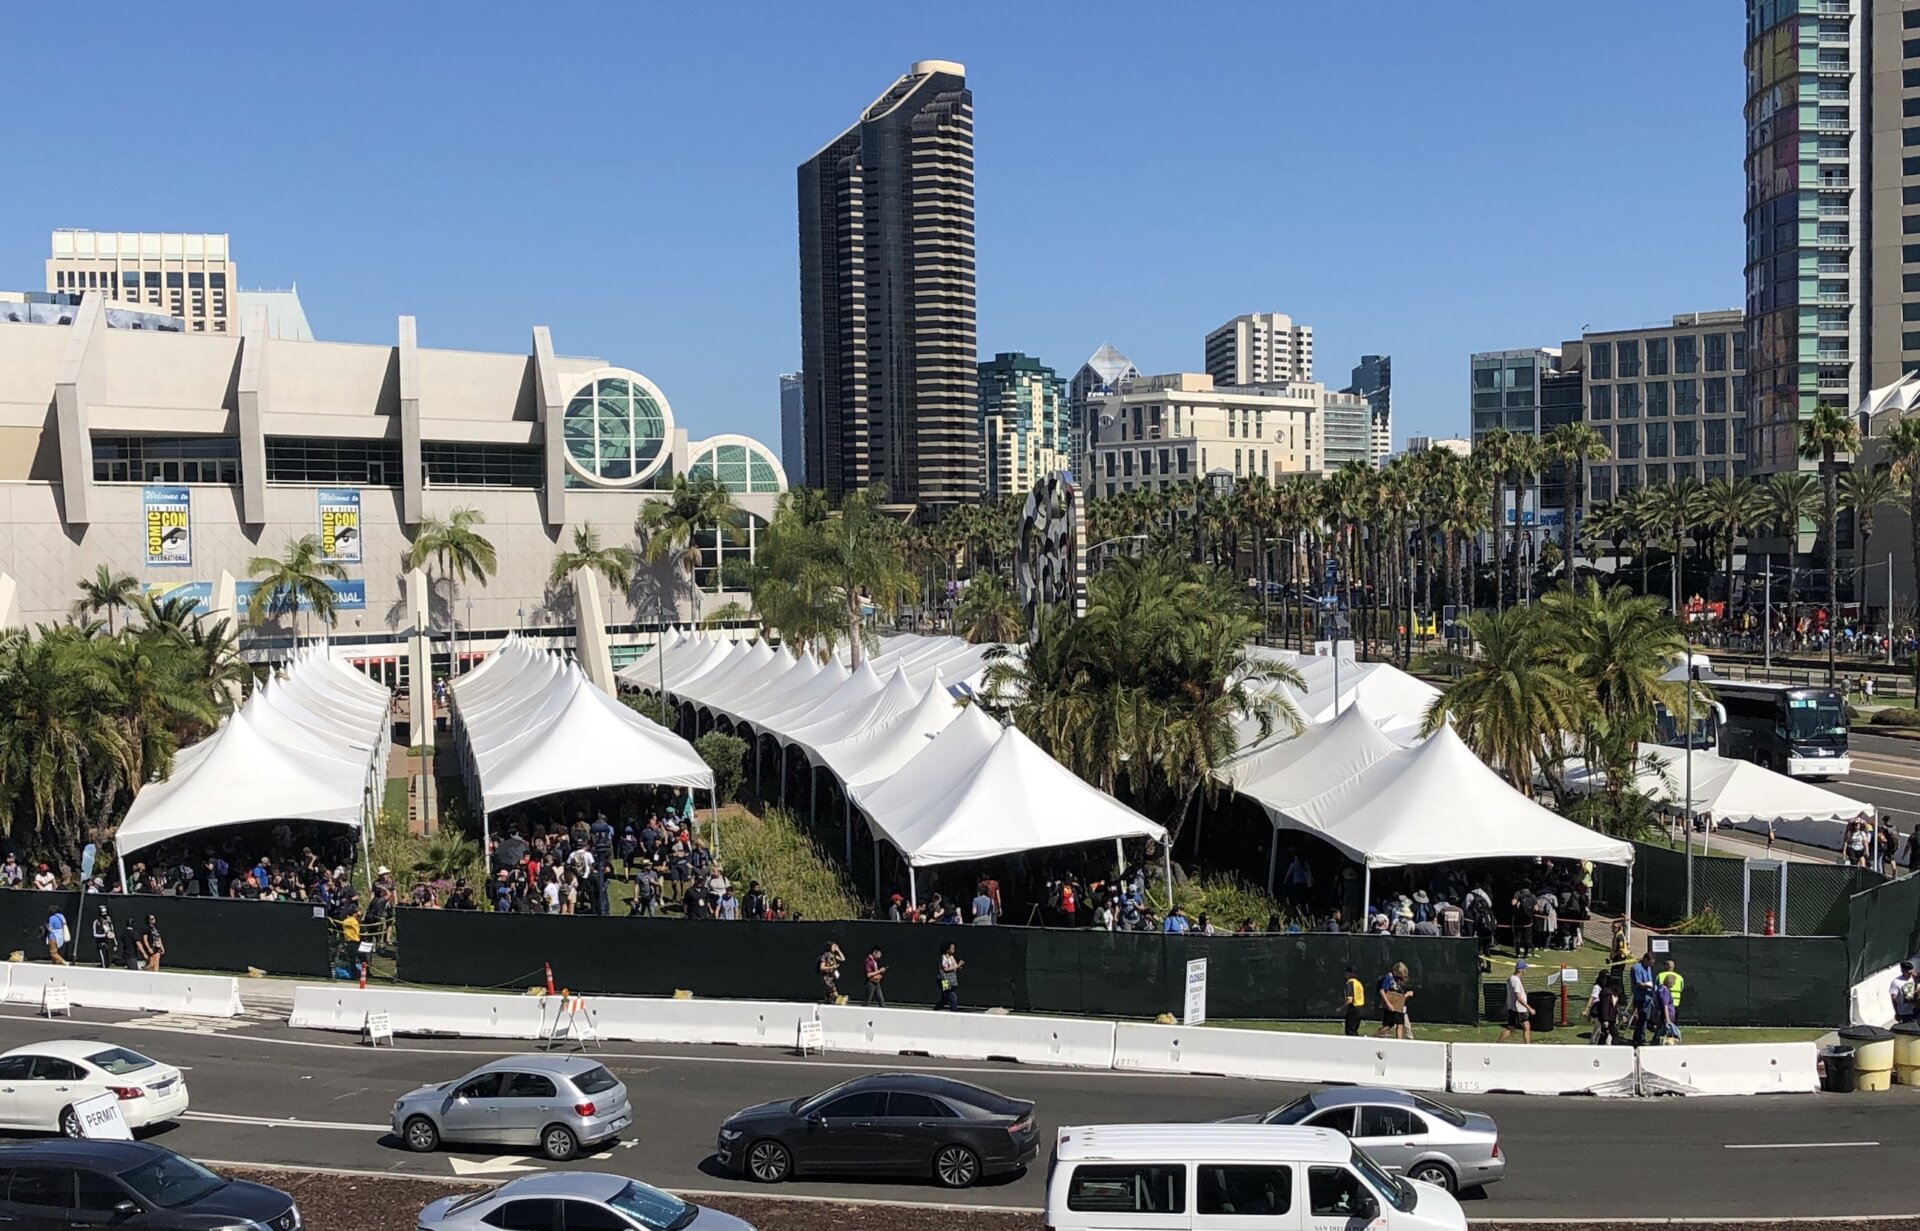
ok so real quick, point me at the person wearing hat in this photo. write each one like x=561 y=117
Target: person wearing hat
x=1355 y=993
x=103 y=938
x=44 y=880
x=829 y=967
x=1519 y=1012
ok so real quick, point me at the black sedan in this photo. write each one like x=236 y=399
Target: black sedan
x=54 y=1185
x=884 y=1124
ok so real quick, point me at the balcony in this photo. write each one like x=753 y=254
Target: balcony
x=1831 y=297
x=1833 y=242
x=1835 y=126
x=1836 y=7
x=1835 y=382
x=1838 y=209
x=1834 y=183
x=1833 y=66
x=1831 y=36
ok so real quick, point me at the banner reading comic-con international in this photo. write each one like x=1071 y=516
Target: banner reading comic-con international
x=339 y=524
x=169 y=522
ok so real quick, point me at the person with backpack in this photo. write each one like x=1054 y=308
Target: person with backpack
x=1905 y=994
x=876 y=975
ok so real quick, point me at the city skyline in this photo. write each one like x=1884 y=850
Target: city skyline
x=695 y=276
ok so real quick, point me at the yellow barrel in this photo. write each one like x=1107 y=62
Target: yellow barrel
x=1872 y=1056
x=1906 y=1047
x=1906 y=1074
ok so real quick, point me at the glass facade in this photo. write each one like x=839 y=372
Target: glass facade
x=616 y=431
x=166 y=459
x=330 y=459
x=739 y=467
x=1679 y=427
x=481 y=464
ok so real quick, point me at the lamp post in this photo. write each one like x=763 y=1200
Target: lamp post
x=465 y=667
x=1693 y=673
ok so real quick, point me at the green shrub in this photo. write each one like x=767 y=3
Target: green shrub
x=648 y=707
x=1895 y=716
x=726 y=756
x=1705 y=923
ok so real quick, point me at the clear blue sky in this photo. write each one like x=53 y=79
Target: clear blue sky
x=1418 y=179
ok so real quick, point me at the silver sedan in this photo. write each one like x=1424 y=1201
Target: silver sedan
x=574 y=1199
x=1408 y=1134
x=559 y=1104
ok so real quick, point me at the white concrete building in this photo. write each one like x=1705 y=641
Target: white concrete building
x=1157 y=431
x=1260 y=348
x=1459 y=446
x=185 y=275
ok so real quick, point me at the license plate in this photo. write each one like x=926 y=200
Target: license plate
x=621 y=1122
x=161 y=1087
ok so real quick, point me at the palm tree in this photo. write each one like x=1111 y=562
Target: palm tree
x=1675 y=507
x=1256 y=505
x=1526 y=458
x=672 y=528
x=1733 y=507
x=613 y=563
x=59 y=743
x=457 y=547
x=1575 y=444
x=1864 y=491
x=987 y=614
x=1830 y=432
x=1494 y=453
x=1512 y=701
x=1619 y=644
x=105 y=592
x=294 y=583
x=1902 y=446
x=1795 y=497
x=812 y=581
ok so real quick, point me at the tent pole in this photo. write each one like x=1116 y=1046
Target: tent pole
x=122 y=861
x=486 y=837
x=813 y=797
x=847 y=821
x=1166 y=871
x=877 y=905
x=713 y=816
x=1366 y=898
x=1627 y=918
x=1273 y=857
x=913 y=887
x=1119 y=858
x=366 y=851
x=756 y=769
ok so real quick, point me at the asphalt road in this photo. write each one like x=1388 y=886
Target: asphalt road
x=1886 y=774
x=263 y=1093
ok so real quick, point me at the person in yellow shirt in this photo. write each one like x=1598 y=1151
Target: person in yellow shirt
x=1356 y=998
x=1676 y=985
x=350 y=930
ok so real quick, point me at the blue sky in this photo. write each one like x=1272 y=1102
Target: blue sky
x=1418 y=179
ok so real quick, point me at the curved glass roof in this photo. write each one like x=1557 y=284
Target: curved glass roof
x=741 y=466
x=615 y=430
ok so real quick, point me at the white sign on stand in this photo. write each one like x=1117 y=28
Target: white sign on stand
x=812 y=1037
x=1659 y=945
x=100 y=1118
x=1196 y=1007
x=56 y=999
x=379 y=1026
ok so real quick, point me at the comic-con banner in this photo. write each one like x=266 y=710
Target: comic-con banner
x=347 y=595
x=169 y=522
x=339 y=524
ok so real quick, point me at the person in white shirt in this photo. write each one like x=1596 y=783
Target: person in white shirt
x=44 y=879
x=551 y=893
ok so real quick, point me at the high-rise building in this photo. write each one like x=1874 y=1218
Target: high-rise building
x=1260 y=348
x=1023 y=423
x=1506 y=393
x=887 y=327
x=1373 y=380
x=1346 y=429
x=793 y=428
x=1665 y=401
x=184 y=275
x=1833 y=210
x=1099 y=376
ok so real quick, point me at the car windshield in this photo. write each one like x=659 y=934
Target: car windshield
x=171 y=1181
x=821 y=1099
x=119 y=1061
x=1815 y=717
x=1296 y=1110
x=595 y=1080
x=1441 y=1111
x=1394 y=1194
x=652 y=1208
x=461 y=1203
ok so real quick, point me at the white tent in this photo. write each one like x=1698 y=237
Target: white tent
x=1741 y=795
x=878 y=752
x=1439 y=802
x=895 y=698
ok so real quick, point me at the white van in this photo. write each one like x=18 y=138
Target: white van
x=1217 y=1177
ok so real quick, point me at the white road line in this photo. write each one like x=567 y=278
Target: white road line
x=1805 y=1145
x=215 y=1117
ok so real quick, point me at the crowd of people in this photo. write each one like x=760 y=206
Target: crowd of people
x=1882 y=849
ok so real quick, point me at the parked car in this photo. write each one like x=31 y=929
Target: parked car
x=571 y=1200
x=40 y=1083
x=1408 y=1134
x=55 y=1185
x=557 y=1104
x=884 y=1124
x=1178 y=1177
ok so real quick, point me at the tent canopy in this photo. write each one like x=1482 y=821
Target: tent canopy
x=1439 y=802
x=1287 y=773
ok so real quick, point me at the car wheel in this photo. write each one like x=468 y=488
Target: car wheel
x=420 y=1135
x=69 y=1122
x=1437 y=1174
x=558 y=1143
x=769 y=1162
x=956 y=1167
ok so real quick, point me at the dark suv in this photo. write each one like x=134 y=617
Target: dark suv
x=55 y=1185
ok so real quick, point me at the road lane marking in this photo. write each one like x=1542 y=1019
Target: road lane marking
x=215 y=1117
x=501 y=1165
x=1806 y=1145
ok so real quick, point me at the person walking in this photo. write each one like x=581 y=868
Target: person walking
x=56 y=930
x=1643 y=985
x=950 y=966
x=1356 y=998
x=1676 y=985
x=150 y=947
x=876 y=975
x=1394 y=994
x=103 y=938
x=1605 y=1010
x=829 y=968
x=1519 y=1011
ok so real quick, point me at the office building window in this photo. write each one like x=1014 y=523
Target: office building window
x=1686 y=438
x=1686 y=397
x=725 y=556
x=1714 y=470
x=471 y=464
x=1716 y=436
x=1126 y=464
x=1182 y=455
x=1600 y=360
x=1686 y=354
x=1600 y=479
x=1626 y=401
x=1605 y=432
x=166 y=459
x=1656 y=440
x=1740 y=351
x=1657 y=399
x=738 y=466
x=331 y=459
x=1716 y=352
x=615 y=431
x=1656 y=356
x=1629 y=355
x=1600 y=402
x=1628 y=438
x=1716 y=391
x=1626 y=478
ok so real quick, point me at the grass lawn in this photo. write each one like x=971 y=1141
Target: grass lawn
x=396 y=797
x=774 y=850
x=1487 y=1032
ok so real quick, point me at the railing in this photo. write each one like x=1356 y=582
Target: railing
x=1834 y=182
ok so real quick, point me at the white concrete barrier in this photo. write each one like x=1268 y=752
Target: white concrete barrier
x=474 y=1015
x=1730 y=1068
x=1276 y=1056
x=1869 y=1003
x=1507 y=1068
x=139 y=991
x=750 y=1023
x=1071 y=1042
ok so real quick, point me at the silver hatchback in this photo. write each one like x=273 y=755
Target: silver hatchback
x=556 y=1104
x=1408 y=1134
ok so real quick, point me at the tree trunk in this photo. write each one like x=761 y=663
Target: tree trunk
x=1499 y=525
x=1576 y=500
x=1828 y=514
x=1913 y=529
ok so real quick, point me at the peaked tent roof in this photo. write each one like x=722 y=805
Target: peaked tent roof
x=878 y=752
x=1732 y=790
x=895 y=698
x=1014 y=798
x=1291 y=772
x=1439 y=802
x=931 y=771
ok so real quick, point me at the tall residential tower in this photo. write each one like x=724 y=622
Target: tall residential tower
x=1023 y=423
x=793 y=428
x=184 y=275
x=1373 y=380
x=1260 y=348
x=887 y=326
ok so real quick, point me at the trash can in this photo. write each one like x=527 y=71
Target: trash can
x=1906 y=1053
x=1873 y=1056
x=1836 y=1069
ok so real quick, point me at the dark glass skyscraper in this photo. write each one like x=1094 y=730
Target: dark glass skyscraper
x=887 y=327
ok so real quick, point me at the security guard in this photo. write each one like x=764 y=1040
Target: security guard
x=1356 y=997
x=1675 y=983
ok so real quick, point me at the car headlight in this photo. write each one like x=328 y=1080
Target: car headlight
x=731 y=1134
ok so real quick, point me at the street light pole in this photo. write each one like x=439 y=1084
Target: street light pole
x=1691 y=670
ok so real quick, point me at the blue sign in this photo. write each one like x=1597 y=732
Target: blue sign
x=347 y=595
x=201 y=592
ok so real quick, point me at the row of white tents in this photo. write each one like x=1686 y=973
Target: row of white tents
x=310 y=744
x=935 y=777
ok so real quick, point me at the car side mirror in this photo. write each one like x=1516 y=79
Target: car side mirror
x=1369 y=1206
x=816 y=1120
x=125 y=1208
